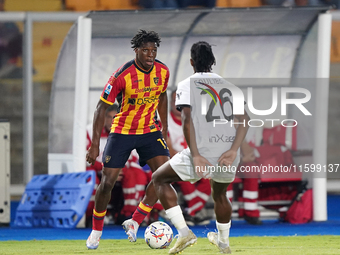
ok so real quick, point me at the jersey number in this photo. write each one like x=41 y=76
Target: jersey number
x=162 y=141
x=209 y=116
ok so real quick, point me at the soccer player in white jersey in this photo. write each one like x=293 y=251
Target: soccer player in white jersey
x=209 y=145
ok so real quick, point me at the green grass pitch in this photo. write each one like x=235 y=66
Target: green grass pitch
x=239 y=245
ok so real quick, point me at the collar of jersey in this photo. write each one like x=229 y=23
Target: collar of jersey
x=141 y=69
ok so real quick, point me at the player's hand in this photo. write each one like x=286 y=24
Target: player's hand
x=201 y=167
x=91 y=155
x=227 y=158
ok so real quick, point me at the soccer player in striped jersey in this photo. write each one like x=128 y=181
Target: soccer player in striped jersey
x=139 y=86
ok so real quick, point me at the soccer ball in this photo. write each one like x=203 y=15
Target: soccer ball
x=158 y=235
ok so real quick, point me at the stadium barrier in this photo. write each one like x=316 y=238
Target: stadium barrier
x=5 y=173
x=57 y=201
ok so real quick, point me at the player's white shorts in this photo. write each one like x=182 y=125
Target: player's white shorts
x=183 y=165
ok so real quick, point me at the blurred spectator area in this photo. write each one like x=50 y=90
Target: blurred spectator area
x=33 y=5
x=238 y=3
x=47 y=41
x=86 y=5
x=48 y=36
x=81 y=5
x=71 y=5
x=335 y=42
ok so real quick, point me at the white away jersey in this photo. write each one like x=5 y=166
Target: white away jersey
x=211 y=104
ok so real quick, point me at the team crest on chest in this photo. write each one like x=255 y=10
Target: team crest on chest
x=156 y=80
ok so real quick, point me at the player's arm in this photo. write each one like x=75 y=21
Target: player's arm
x=97 y=166
x=228 y=157
x=189 y=130
x=163 y=113
x=98 y=124
x=190 y=136
x=172 y=151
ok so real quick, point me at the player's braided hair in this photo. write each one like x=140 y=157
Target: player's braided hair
x=203 y=57
x=144 y=37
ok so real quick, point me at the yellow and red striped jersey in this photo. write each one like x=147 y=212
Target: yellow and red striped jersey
x=137 y=92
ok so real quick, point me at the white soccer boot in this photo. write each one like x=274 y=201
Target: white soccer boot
x=131 y=227
x=183 y=242
x=213 y=238
x=93 y=241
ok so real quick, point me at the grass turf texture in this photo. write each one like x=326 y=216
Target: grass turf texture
x=239 y=245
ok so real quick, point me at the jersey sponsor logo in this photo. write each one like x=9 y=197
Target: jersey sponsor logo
x=132 y=101
x=156 y=80
x=221 y=138
x=152 y=127
x=137 y=80
x=141 y=101
x=146 y=89
x=178 y=95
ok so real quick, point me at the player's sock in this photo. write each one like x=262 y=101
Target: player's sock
x=141 y=212
x=98 y=220
x=223 y=233
x=176 y=217
x=96 y=233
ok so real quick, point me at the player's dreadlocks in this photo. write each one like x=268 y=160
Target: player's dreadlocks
x=144 y=37
x=203 y=57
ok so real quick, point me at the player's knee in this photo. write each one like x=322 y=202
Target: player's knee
x=164 y=175
x=155 y=178
x=106 y=186
x=158 y=178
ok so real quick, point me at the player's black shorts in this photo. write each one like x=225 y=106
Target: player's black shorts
x=118 y=148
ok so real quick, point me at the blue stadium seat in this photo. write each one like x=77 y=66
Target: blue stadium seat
x=57 y=201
